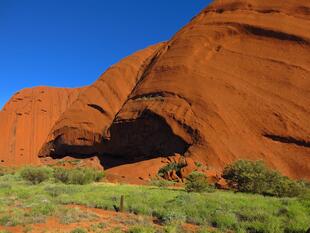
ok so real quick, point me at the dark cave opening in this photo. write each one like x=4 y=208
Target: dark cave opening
x=144 y=138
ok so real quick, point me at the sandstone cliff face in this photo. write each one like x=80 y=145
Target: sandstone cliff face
x=26 y=120
x=232 y=84
x=84 y=128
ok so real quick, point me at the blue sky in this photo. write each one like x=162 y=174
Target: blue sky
x=69 y=43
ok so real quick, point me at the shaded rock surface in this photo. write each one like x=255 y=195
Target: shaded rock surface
x=232 y=84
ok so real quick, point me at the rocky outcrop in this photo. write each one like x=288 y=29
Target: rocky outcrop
x=232 y=84
x=84 y=128
x=26 y=120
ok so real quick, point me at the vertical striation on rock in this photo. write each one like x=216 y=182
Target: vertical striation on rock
x=26 y=120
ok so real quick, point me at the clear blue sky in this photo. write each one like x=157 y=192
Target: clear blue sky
x=69 y=43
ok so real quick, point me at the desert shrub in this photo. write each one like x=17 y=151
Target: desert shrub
x=141 y=229
x=97 y=227
x=5 y=231
x=162 y=183
x=171 y=167
x=74 y=215
x=78 y=175
x=6 y=170
x=78 y=230
x=35 y=175
x=173 y=228
x=255 y=177
x=198 y=164
x=84 y=176
x=57 y=190
x=42 y=209
x=205 y=229
x=9 y=220
x=223 y=220
x=197 y=182
x=61 y=174
x=116 y=230
x=2 y=171
x=282 y=186
x=5 y=185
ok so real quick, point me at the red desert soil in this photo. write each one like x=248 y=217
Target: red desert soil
x=111 y=220
x=232 y=84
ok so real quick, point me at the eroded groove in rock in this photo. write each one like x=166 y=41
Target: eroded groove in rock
x=264 y=32
x=288 y=140
x=100 y=109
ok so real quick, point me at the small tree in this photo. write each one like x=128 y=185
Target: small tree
x=197 y=182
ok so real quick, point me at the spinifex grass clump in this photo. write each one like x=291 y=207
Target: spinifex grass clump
x=81 y=176
x=255 y=177
x=6 y=170
x=160 y=182
x=36 y=175
x=78 y=175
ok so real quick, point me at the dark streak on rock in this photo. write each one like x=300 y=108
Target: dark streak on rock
x=97 y=107
x=288 y=140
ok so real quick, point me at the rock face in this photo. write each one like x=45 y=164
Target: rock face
x=26 y=120
x=232 y=84
x=84 y=128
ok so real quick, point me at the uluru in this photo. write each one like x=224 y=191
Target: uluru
x=232 y=84
x=155 y=116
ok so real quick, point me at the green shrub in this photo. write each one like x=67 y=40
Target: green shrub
x=84 y=176
x=162 y=183
x=61 y=174
x=197 y=182
x=223 y=220
x=79 y=230
x=77 y=175
x=205 y=229
x=5 y=231
x=255 y=177
x=141 y=229
x=171 y=167
x=9 y=220
x=198 y=164
x=116 y=230
x=57 y=190
x=42 y=209
x=173 y=228
x=6 y=170
x=2 y=171
x=5 y=185
x=35 y=175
